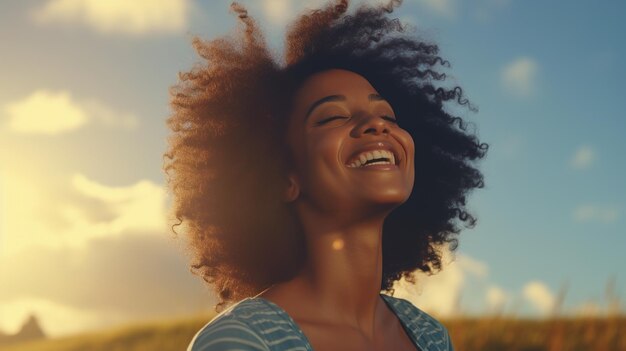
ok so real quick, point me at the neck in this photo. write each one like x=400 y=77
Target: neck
x=343 y=272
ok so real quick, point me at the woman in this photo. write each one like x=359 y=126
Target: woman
x=307 y=188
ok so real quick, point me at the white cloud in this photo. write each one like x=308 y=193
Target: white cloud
x=596 y=213
x=539 y=296
x=107 y=117
x=278 y=12
x=496 y=298
x=45 y=112
x=134 y=17
x=23 y=200
x=583 y=157
x=440 y=293
x=518 y=77
x=76 y=212
x=140 y=206
x=51 y=113
x=88 y=252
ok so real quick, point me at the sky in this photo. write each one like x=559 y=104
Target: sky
x=84 y=241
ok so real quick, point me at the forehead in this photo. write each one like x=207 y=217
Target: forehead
x=331 y=82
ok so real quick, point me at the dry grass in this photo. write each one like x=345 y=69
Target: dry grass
x=468 y=334
x=164 y=336
x=563 y=334
x=494 y=333
x=605 y=332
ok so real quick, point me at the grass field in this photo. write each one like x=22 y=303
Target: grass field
x=513 y=334
x=164 y=336
x=468 y=334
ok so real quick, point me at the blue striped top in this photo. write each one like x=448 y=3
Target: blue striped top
x=255 y=323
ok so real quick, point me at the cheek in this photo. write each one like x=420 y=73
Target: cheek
x=324 y=149
x=314 y=155
x=406 y=140
x=409 y=146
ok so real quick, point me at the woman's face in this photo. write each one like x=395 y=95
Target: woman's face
x=339 y=127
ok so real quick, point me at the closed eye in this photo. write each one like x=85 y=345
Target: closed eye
x=390 y=119
x=326 y=120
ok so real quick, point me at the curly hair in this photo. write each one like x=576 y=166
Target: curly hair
x=227 y=158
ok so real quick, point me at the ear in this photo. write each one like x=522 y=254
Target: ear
x=292 y=191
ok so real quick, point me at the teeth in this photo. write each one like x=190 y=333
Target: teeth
x=362 y=158
x=370 y=155
x=377 y=163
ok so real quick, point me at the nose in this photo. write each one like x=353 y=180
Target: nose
x=371 y=124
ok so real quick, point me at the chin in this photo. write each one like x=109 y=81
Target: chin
x=391 y=197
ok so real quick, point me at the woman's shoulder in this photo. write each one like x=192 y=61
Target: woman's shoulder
x=250 y=324
x=414 y=314
x=430 y=333
x=229 y=330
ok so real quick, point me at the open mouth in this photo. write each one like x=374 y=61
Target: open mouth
x=373 y=157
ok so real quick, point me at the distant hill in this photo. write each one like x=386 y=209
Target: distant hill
x=30 y=331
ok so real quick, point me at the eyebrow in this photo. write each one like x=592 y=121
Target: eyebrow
x=331 y=98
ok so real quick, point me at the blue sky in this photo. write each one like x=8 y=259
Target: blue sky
x=83 y=103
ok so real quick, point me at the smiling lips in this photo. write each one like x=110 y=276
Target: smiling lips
x=373 y=157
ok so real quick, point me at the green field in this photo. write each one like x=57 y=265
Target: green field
x=470 y=334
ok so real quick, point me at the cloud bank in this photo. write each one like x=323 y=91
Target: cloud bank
x=97 y=256
x=440 y=294
x=540 y=297
x=136 y=17
x=46 y=112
